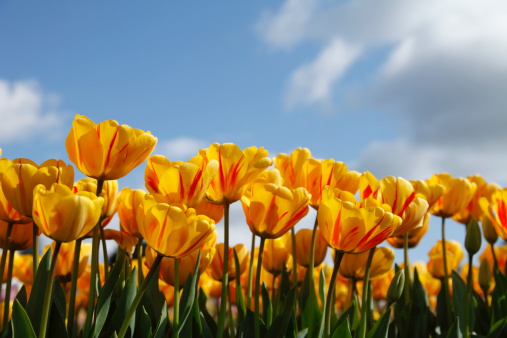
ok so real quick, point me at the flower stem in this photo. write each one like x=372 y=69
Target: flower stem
x=406 y=267
x=73 y=287
x=365 y=301
x=4 y=252
x=8 y=287
x=312 y=248
x=257 y=326
x=225 y=275
x=94 y=270
x=468 y=296
x=176 y=317
x=104 y=249
x=338 y=255
x=139 y=254
x=49 y=292
x=294 y=260
x=250 y=273
x=137 y=299
x=35 y=248
x=446 y=276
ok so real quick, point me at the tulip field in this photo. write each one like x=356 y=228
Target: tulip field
x=170 y=278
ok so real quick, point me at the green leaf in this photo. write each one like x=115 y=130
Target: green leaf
x=240 y=303
x=22 y=297
x=381 y=328
x=145 y=324
x=104 y=299
x=247 y=329
x=56 y=327
x=267 y=308
x=417 y=324
x=188 y=295
x=59 y=299
x=162 y=323
x=311 y=314
x=499 y=297
x=281 y=322
x=210 y=322
x=499 y=329
x=343 y=329
x=21 y=325
x=322 y=287
x=36 y=300
x=454 y=331
x=153 y=300
x=459 y=289
x=482 y=319
x=127 y=297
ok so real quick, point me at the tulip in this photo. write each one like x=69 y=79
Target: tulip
x=128 y=206
x=291 y=167
x=109 y=194
x=180 y=182
x=454 y=256
x=458 y=193
x=65 y=260
x=124 y=240
x=276 y=255
x=431 y=193
x=172 y=231
x=303 y=246
x=215 y=270
x=495 y=209
x=369 y=186
x=496 y=256
x=273 y=210
x=63 y=215
x=473 y=209
x=381 y=284
x=107 y=151
x=20 y=236
x=7 y=211
x=213 y=211
x=414 y=236
x=353 y=266
x=22 y=270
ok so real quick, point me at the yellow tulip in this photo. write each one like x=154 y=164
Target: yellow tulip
x=173 y=231
x=109 y=193
x=354 y=228
x=303 y=246
x=65 y=259
x=7 y=211
x=353 y=266
x=21 y=236
x=180 y=182
x=400 y=195
x=215 y=269
x=495 y=209
x=414 y=236
x=276 y=254
x=22 y=268
x=380 y=285
x=236 y=170
x=369 y=186
x=127 y=207
x=20 y=179
x=213 y=211
x=107 y=151
x=291 y=167
x=63 y=215
x=501 y=256
x=458 y=193
x=429 y=192
x=124 y=240
x=273 y=210
x=436 y=263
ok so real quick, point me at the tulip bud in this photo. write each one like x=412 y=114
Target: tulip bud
x=489 y=231
x=396 y=288
x=473 y=237
x=485 y=275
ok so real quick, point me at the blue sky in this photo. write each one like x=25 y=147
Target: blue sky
x=396 y=88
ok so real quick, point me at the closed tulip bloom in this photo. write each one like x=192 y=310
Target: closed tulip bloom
x=22 y=268
x=473 y=209
x=354 y=266
x=400 y=195
x=291 y=167
x=180 y=182
x=495 y=209
x=458 y=193
x=236 y=170
x=369 y=186
x=20 y=179
x=475 y=279
x=215 y=270
x=21 y=236
x=431 y=192
x=276 y=254
x=63 y=215
x=321 y=173
x=65 y=259
x=303 y=247
x=124 y=240
x=414 y=236
x=436 y=263
x=173 y=231
x=109 y=193
x=107 y=151
x=353 y=229
x=127 y=207
x=7 y=211
x=273 y=210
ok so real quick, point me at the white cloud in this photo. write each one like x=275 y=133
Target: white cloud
x=23 y=112
x=181 y=148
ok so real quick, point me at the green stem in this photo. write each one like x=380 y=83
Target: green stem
x=94 y=270
x=312 y=248
x=35 y=248
x=231 y=318
x=225 y=275
x=73 y=287
x=8 y=287
x=468 y=297
x=139 y=295
x=104 y=249
x=338 y=255
x=176 y=317
x=492 y=246
x=406 y=267
x=446 y=276
x=294 y=260
x=250 y=272
x=139 y=254
x=4 y=252
x=49 y=293
x=257 y=326
x=365 y=300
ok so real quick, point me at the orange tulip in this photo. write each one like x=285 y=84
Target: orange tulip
x=65 y=259
x=291 y=167
x=276 y=254
x=436 y=263
x=180 y=182
x=7 y=211
x=273 y=210
x=173 y=231
x=21 y=236
x=63 y=215
x=22 y=269
x=381 y=284
x=353 y=266
x=495 y=209
x=124 y=240
x=236 y=170
x=213 y=211
x=20 y=179
x=107 y=151
x=109 y=193
x=215 y=269
x=128 y=205
x=414 y=236
x=458 y=193
x=303 y=246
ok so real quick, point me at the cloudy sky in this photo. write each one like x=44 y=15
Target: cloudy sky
x=394 y=87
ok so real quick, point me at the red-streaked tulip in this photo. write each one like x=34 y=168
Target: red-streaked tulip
x=436 y=263
x=458 y=193
x=127 y=207
x=303 y=247
x=109 y=193
x=215 y=269
x=291 y=167
x=495 y=209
